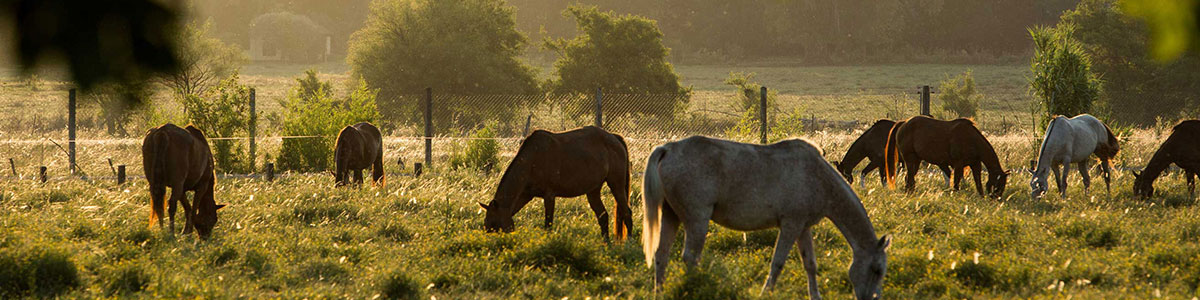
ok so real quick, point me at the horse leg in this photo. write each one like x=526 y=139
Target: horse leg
x=597 y=205
x=188 y=212
x=1057 y=169
x=548 y=204
x=1085 y=175
x=911 y=177
x=177 y=195
x=883 y=177
x=695 y=230
x=810 y=262
x=1191 y=183
x=946 y=176
x=958 y=176
x=624 y=214
x=1062 y=186
x=977 y=174
x=668 y=226
x=783 y=245
x=358 y=177
x=863 y=176
x=1107 y=168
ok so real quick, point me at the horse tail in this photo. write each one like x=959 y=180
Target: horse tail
x=1110 y=147
x=624 y=215
x=652 y=194
x=377 y=169
x=891 y=155
x=160 y=142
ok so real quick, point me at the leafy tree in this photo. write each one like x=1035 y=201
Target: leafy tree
x=453 y=46
x=117 y=102
x=312 y=112
x=959 y=96
x=203 y=60
x=226 y=113
x=621 y=55
x=748 y=96
x=1138 y=88
x=1062 y=79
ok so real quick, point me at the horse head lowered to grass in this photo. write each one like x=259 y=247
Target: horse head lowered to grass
x=786 y=185
x=180 y=159
x=1182 y=148
x=1073 y=140
x=566 y=164
x=956 y=143
x=359 y=146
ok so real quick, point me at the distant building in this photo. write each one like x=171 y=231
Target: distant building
x=285 y=36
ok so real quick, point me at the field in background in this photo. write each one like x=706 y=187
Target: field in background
x=299 y=237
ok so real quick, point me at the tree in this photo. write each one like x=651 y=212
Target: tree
x=621 y=55
x=225 y=113
x=1062 y=79
x=203 y=61
x=959 y=96
x=312 y=112
x=1138 y=88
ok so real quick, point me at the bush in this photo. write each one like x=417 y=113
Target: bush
x=600 y=57
x=470 y=47
x=36 y=272
x=483 y=152
x=959 y=96
x=225 y=114
x=398 y=285
x=1062 y=79
x=747 y=100
x=311 y=111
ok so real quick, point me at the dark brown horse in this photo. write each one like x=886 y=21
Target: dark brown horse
x=956 y=143
x=1182 y=148
x=359 y=146
x=566 y=164
x=871 y=145
x=180 y=159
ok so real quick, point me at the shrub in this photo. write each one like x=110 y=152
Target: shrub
x=40 y=272
x=397 y=285
x=226 y=113
x=959 y=96
x=483 y=152
x=1062 y=78
x=600 y=57
x=311 y=110
x=747 y=99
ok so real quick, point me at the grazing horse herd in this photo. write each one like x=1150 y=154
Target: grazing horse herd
x=787 y=185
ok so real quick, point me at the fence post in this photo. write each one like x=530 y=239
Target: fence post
x=12 y=165
x=121 y=174
x=70 y=130
x=253 y=129
x=925 y=101
x=42 y=173
x=428 y=126
x=600 y=107
x=417 y=168
x=762 y=114
x=528 y=120
x=270 y=172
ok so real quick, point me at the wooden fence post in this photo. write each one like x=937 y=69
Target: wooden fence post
x=417 y=168
x=528 y=120
x=428 y=126
x=121 y=174
x=925 y=101
x=762 y=115
x=70 y=129
x=599 y=107
x=42 y=173
x=12 y=165
x=253 y=128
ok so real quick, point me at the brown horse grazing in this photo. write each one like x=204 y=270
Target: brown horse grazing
x=871 y=145
x=359 y=146
x=180 y=159
x=1182 y=148
x=956 y=143
x=566 y=164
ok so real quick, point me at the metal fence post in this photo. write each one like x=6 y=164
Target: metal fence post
x=253 y=129
x=599 y=107
x=925 y=101
x=71 y=129
x=762 y=114
x=428 y=127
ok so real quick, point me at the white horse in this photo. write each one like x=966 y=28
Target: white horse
x=748 y=187
x=1073 y=140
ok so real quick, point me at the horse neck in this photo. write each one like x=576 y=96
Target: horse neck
x=854 y=155
x=991 y=161
x=850 y=217
x=512 y=183
x=1159 y=162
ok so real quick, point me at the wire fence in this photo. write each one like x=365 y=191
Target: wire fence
x=645 y=120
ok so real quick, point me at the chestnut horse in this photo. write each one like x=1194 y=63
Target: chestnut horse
x=358 y=147
x=870 y=145
x=1072 y=140
x=566 y=164
x=1182 y=148
x=786 y=185
x=956 y=143
x=180 y=159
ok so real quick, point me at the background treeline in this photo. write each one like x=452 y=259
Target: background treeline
x=817 y=31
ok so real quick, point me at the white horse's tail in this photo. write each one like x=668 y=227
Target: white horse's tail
x=652 y=197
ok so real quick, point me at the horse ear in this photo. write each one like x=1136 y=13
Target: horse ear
x=219 y=206
x=885 y=242
x=484 y=206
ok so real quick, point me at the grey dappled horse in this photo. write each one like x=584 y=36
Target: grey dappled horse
x=747 y=187
x=1072 y=140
